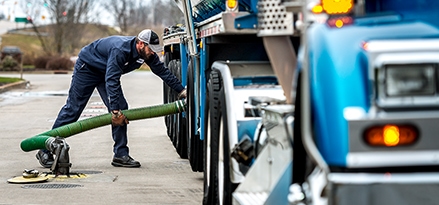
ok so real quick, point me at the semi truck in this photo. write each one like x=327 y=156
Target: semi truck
x=308 y=101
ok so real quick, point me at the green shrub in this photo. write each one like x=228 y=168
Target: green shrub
x=9 y=63
x=28 y=59
x=59 y=63
x=41 y=62
x=53 y=63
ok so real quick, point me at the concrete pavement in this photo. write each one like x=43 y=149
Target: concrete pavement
x=6 y=25
x=163 y=178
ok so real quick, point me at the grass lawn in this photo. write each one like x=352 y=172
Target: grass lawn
x=5 y=80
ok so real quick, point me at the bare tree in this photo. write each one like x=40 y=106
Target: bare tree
x=33 y=9
x=69 y=18
x=122 y=10
x=130 y=15
x=167 y=13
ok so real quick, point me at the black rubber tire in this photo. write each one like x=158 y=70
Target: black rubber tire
x=218 y=112
x=190 y=116
x=166 y=89
x=194 y=143
x=198 y=153
x=173 y=97
x=299 y=153
x=180 y=123
x=175 y=117
x=170 y=98
x=207 y=173
x=182 y=139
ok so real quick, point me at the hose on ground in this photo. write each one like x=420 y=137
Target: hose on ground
x=41 y=141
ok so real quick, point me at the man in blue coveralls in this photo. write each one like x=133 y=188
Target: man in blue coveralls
x=100 y=65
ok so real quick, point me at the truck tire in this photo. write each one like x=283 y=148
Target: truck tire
x=176 y=123
x=169 y=96
x=172 y=97
x=180 y=124
x=207 y=173
x=182 y=143
x=169 y=56
x=166 y=89
x=194 y=144
x=219 y=155
x=301 y=164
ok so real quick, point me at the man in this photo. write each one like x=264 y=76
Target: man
x=100 y=65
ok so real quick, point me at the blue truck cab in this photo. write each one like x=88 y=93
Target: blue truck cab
x=371 y=76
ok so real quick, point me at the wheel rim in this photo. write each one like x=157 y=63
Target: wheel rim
x=221 y=163
x=208 y=154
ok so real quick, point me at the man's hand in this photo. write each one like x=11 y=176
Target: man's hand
x=118 y=118
x=182 y=94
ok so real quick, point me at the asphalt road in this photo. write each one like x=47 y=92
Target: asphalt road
x=163 y=178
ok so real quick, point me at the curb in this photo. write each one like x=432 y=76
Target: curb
x=40 y=72
x=10 y=86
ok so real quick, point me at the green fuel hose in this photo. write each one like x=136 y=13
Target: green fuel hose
x=43 y=140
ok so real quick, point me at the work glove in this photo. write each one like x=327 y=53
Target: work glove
x=182 y=94
x=118 y=118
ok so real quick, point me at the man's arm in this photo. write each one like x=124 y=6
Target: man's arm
x=116 y=60
x=158 y=68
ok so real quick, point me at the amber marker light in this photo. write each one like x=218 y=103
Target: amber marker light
x=231 y=4
x=337 y=6
x=365 y=45
x=391 y=135
x=317 y=9
x=339 y=22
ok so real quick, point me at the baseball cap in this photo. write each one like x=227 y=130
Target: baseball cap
x=150 y=37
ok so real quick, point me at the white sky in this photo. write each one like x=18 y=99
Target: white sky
x=8 y=7
x=17 y=8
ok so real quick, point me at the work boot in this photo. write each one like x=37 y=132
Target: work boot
x=45 y=158
x=125 y=161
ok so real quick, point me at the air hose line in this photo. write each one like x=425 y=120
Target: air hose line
x=43 y=140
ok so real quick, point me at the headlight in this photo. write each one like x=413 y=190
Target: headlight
x=411 y=79
x=404 y=73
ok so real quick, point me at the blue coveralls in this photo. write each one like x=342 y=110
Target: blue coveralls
x=100 y=65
